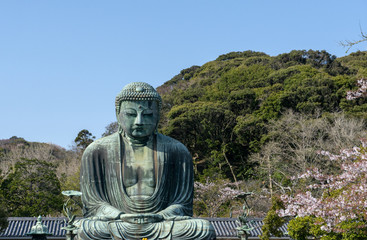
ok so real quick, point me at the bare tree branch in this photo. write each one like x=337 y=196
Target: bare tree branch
x=350 y=44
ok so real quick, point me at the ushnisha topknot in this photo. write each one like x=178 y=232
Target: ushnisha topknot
x=137 y=91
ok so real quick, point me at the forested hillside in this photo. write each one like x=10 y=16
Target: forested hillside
x=247 y=118
x=222 y=110
x=32 y=176
x=250 y=117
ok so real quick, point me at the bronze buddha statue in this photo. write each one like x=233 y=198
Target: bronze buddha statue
x=137 y=183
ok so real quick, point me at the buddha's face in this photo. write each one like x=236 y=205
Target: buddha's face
x=138 y=119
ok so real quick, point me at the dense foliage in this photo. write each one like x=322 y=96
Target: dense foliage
x=3 y=211
x=272 y=221
x=32 y=176
x=220 y=110
x=31 y=189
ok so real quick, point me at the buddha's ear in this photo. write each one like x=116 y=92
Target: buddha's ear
x=121 y=130
x=158 y=117
x=156 y=126
x=118 y=110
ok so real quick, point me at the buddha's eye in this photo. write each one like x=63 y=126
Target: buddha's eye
x=148 y=113
x=130 y=113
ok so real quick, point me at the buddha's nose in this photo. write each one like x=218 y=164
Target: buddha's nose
x=138 y=120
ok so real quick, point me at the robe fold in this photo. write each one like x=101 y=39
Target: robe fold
x=105 y=199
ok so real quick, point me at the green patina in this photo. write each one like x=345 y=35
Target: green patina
x=138 y=183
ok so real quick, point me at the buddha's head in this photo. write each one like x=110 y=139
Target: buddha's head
x=137 y=110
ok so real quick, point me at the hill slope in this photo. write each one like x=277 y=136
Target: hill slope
x=221 y=110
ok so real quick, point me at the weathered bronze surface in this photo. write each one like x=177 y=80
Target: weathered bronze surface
x=39 y=231
x=137 y=183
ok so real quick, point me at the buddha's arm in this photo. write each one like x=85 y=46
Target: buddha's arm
x=173 y=210
x=141 y=218
x=107 y=212
x=182 y=197
x=93 y=186
x=95 y=206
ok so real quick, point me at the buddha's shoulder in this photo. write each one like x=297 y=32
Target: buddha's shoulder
x=171 y=142
x=103 y=143
x=168 y=140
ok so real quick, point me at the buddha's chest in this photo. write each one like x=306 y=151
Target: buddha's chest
x=138 y=172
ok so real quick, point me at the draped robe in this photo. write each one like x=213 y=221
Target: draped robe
x=105 y=198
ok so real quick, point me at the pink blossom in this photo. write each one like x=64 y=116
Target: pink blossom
x=333 y=206
x=360 y=92
x=214 y=194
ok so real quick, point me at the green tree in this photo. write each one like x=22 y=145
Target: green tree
x=272 y=221
x=254 y=89
x=204 y=128
x=303 y=228
x=31 y=189
x=71 y=181
x=3 y=209
x=84 y=138
x=3 y=219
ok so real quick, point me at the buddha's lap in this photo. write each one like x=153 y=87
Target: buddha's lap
x=183 y=229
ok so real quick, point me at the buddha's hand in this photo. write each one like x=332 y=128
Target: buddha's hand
x=143 y=218
x=102 y=218
x=177 y=218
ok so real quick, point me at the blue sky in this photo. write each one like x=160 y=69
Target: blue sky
x=63 y=62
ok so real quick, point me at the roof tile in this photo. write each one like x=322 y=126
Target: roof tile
x=224 y=227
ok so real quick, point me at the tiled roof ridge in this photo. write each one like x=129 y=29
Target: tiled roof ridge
x=228 y=218
x=224 y=227
x=35 y=218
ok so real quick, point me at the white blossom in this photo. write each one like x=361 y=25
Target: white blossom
x=360 y=92
x=348 y=204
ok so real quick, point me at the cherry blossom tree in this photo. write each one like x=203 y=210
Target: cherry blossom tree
x=360 y=92
x=337 y=202
x=334 y=203
x=213 y=195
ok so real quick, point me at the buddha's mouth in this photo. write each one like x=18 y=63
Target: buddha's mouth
x=138 y=131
